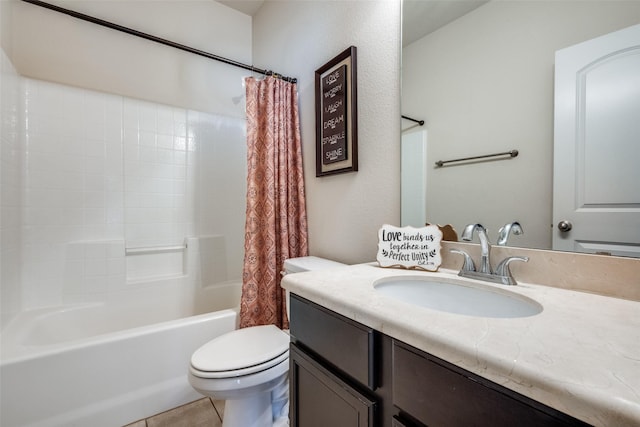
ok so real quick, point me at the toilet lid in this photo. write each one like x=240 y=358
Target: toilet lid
x=242 y=352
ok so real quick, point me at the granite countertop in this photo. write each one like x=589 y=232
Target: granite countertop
x=580 y=355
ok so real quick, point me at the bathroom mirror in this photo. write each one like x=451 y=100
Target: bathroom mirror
x=481 y=76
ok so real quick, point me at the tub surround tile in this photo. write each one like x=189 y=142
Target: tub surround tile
x=11 y=160
x=579 y=355
x=82 y=166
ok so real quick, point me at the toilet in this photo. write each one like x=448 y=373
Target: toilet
x=248 y=368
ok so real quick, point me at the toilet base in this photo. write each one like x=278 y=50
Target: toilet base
x=251 y=411
x=263 y=409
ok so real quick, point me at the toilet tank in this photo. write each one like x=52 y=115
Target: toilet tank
x=307 y=263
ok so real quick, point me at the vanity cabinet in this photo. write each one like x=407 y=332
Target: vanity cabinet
x=345 y=374
x=340 y=370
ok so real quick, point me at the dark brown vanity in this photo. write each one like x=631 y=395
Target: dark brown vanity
x=345 y=374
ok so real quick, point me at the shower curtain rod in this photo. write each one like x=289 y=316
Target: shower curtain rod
x=153 y=38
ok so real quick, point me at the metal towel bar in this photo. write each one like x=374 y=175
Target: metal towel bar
x=512 y=153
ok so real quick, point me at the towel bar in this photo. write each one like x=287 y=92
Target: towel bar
x=512 y=153
x=154 y=249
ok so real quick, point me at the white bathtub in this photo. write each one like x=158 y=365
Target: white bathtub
x=108 y=364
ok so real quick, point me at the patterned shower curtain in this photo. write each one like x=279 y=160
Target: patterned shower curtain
x=276 y=219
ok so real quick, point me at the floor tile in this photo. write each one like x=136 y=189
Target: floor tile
x=219 y=405
x=200 y=413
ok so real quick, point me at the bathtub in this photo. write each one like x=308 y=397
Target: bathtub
x=105 y=364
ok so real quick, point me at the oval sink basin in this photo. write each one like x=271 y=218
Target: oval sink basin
x=457 y=298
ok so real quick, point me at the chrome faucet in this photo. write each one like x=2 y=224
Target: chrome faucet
x=503 y=233
x=503 y=272
x=467 y=235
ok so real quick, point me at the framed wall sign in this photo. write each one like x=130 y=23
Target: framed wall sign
x=336 y=115
x=409 y=247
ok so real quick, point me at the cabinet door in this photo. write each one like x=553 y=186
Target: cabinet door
x=321 y=399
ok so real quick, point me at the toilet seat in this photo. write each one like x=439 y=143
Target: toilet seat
x=241 y=352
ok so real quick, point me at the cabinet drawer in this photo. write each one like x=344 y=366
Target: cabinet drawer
x=345 y=344
x=438 y=394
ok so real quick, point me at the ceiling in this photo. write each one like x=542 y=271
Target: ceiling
x=248 y=7
x=420 y=17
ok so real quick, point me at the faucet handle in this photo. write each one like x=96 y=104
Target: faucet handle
x=504 y=271
x=468 y=264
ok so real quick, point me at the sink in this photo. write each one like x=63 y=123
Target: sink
x=452 y=296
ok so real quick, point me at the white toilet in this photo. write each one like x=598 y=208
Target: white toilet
x=248 y=368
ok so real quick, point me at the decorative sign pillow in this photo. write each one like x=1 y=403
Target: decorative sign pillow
x=409 y=247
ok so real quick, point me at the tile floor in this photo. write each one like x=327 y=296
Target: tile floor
x=201 y=413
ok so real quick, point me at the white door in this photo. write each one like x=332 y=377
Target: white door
x=596 y=182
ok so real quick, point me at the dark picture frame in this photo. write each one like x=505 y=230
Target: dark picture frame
x=336 y=115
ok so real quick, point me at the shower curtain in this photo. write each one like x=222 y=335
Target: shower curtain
x=276 y=219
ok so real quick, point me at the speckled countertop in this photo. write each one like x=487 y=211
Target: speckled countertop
x=580 y=355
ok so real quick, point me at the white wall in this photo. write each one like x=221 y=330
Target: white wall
x=296 y=38
x=51 y=46
x=484 y=84
x=86 y=192
x=6 y=26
